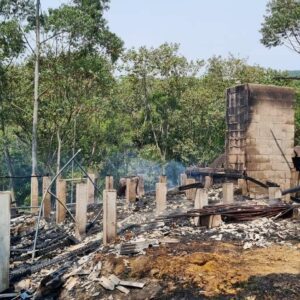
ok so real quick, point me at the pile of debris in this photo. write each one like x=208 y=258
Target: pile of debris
x=137 y=264
x=260 y=232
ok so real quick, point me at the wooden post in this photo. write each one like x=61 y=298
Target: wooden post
x=183 y=178
x=161 y=197
x=47 y=200
x=109 y=182
x=201 y=199
x=130 y=191
x=228 y=193
x=274 y=193
x=190 y=194
x=242 y=186
x=141 y=186
x=109 y=216
x=163 y=179
x=81 y=210
x=34 y=194
x=208 y=182
x=61 y=193
x=91 y=188
x=5 y=199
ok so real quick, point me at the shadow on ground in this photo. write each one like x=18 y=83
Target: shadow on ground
x=273 y=286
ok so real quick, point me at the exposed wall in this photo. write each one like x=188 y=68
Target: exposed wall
x=253 y=113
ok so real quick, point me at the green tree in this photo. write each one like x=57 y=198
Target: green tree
x=281 y=24
x=157 y=79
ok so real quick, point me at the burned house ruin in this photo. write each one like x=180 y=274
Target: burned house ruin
x=260 y=133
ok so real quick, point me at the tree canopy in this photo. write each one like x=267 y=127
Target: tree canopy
x=281 y=24
x=146 y=104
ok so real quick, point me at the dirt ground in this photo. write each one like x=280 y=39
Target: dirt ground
x=202 y=270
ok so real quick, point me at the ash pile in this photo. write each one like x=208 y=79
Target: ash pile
x=132 y=266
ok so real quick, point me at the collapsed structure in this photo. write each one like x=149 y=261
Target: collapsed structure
x=205 y=235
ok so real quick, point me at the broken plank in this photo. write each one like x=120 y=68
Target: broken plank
x=106 y=283
x=135 y=284
x=123 y=289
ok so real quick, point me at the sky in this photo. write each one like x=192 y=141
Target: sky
x=203 y=28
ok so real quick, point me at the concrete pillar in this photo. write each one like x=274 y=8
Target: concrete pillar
x=141 y=186
x=161 y=197
x=208 y=182
x=211 y=221
x=242 y=184
x=130 y=191
x=274 y=193
x=61 y=194
x=201 y=199
x=5 y=199
x=228 y=193
x=163 y=179
x=81 y=210
x=183 y=178
x=109 y=216
x=34 y=194
x=190 y=194
x=47 y=200
x=109 y=182
x=91 y=188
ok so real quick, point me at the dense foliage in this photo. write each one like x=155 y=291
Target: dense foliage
x=116 y=105
x=281 y=24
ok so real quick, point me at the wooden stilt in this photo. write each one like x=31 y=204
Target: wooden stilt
x=109 y=182
x=61 y=193
x=130 y=190
x=163 y=179
x=201 y=199
x=5 y=200
x=161 y=197
x=81 y=210
x=91 y=188
x=190 y=194
x=243 y=186
x=183 y=178
x=47 y=200
x=109 y=216
x=208 y=182
x=141 y=186
x=34 y=194
x=228 y=193
x=274 y=193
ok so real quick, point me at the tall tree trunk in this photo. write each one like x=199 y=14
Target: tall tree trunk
x=58 y=151
x=36 y=91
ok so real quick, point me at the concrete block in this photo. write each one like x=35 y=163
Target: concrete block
x=274 y=193
x=161 y=197
x=190 y=194
x=208 y=182
x=81 y=210
x=183 y=178
x=61 y=193
x=109 y=182
x=91 y=187
x=228 y=193
x=109 y=216
x=47 y=199
x=211 y=221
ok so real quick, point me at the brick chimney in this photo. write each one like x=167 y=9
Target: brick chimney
x=260 y=133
